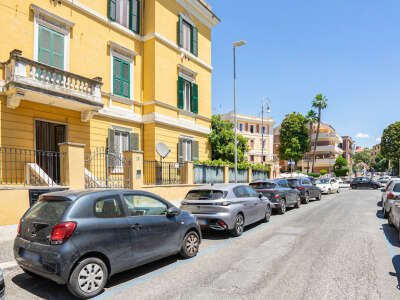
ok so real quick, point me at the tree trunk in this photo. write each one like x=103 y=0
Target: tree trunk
x=316 y=137
x=309 y=147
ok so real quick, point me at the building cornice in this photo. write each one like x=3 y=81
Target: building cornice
x=202 y=13
x=40 y=11
x=179 y=123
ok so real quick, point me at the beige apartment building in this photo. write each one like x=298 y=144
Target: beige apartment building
x=259 y=133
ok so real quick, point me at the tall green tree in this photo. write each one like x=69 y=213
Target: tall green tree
x=294 y=137
x=311 y=118
x=380 y=163
x=340 y=168
x=222 y=141
x=320 y=102
x=390 y=143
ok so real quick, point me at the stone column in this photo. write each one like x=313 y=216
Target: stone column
x=249 y=175
x=226 y=174
x=72 y=165
x=188 y=173
x=133 y=176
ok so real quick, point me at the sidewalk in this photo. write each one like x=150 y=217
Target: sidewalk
x=7 y=235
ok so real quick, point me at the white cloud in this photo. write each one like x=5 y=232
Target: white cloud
x=378 y=140
x=361 y=135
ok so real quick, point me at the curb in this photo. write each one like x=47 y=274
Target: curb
x=6 y=266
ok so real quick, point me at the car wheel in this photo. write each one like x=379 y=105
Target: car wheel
x=338 y=191
x=306 y=198
x=282 y=208
x=88 y=278
x=268 y=213
x=238 y=227
x=319 y=197
x=190 y=245
x=297 y=205
x=384 y=213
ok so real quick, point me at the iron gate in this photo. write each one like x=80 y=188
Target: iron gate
x=106 y=168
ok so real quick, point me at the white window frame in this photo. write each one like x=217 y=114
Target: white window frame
x=119 y=168
x=53 y=22
x=187 y=147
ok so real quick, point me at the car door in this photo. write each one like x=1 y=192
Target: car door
x=153 y=234
x=334 y=185
x=259 y=204
x=247 y=203
x=290 y=194
x=309 y=187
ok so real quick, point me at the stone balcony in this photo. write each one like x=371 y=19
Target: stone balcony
x=26 y=79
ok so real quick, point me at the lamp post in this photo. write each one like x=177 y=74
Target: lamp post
x=235 y=45
x=266 y=103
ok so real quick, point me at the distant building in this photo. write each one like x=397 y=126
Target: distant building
x=260 y=135
x=348 y=147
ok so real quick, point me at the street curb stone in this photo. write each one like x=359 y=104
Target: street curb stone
x=6 y=266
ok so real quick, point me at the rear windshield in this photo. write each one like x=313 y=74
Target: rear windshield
x=324 y=180
x=262 y=185
x=205 y=195
x=48 y=210
x=293 y=182
x=396 y=188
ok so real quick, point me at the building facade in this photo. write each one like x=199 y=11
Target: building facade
x=121 y=74
x=348 y=150
x=259 y=133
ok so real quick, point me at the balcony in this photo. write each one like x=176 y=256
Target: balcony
x=328 y=136
x=330 y=149
x=26 y=79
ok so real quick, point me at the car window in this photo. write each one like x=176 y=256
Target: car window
x=396 y=188
x=283 y=183
x=205 y=195
x=142 y=205
x=306 y=181
x=240 y=192
x=48 y=210
x=333 y=181
x=262 y=185
x=293 y=182
x=109 y=207
x=251 y=192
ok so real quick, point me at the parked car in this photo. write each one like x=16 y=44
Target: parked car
x=227 y=207
x=384 y=179
x=328 y=185
x=279 y=193
x=306 y=187
x=394 y=217
x=364 y=182
x=81 y=238
x=2 y=286
x=390 y=195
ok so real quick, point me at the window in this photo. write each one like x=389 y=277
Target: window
x=240 y=191
x=188 y=150
x=187 y=35
x=263 y=129
x=283 y=183
x=141 y=205
x=240 y=127
x=251 y=157
x=251 y=128
x=250 y=192
x=188 y=98
x=126 y=13
x=51 y=47
x=118 y=142
x=121 y=78
x=397 y=188
x=107 y=208
x=205 y=195
x=252 y=144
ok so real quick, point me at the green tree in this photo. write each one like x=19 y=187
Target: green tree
x=222 y=140
x=311 y=118
x=340 y=167
x=363 y=156
x=320 y=102
x=293 y=137
x=390 y=143
x=323 y=172
x=381 y=163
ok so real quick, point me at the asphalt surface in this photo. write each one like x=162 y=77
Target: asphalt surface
x=337 y=248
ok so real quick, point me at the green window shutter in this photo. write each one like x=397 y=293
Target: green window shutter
x=195 y=150
x=195 y=41
x=126 y=90
x=134 y=141
x=121 y=78
x=134 y=18
x=112 y=9
x=195 y=98
x=180 y=32
x=51 y=47
x=58 y=50
x=111 y=139
x=181 y=81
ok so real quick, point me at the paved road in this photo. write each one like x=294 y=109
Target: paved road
x=338 y=248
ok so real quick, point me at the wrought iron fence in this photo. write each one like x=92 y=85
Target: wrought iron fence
x=31 y=167
x=242 y=176
x=106 y=168
x=163 y=173
x=208 y=174
x=259 y=175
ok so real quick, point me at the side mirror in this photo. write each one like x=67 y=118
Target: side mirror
x=173 y=212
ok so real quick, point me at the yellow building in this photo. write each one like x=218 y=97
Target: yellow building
x=122 y=74
x=259 y=133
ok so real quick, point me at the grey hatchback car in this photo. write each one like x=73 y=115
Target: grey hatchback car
x=227 y=207
x=81 y=238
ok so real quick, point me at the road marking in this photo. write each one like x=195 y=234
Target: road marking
x=174 y=266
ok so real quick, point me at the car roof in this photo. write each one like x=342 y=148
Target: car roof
x=76 y=194
x=220 y=187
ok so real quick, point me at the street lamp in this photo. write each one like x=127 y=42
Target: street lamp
x=236 y=44
x=265 y=103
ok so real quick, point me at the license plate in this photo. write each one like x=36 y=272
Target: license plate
x=202 y=222
x=30 y=256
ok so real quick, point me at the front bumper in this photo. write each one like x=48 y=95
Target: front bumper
x=49 y=261
x=213 y=221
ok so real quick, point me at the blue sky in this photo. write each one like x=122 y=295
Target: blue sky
x=347 y=50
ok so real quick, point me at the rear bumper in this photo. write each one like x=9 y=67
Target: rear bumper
x=53 y=262
x=212 y=221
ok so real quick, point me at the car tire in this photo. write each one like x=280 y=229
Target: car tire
x=306 y=198
x=384 y=213
x=297 y=205
x=190 y=244
x=93 y=267
x=268 y=213
x=238 y=227
x=338 y=191
x=319 y=197
x=282 y=207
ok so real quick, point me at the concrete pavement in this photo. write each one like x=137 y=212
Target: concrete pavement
x=338 y=248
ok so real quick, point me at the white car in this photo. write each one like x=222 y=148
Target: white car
x=343 y=184
x=328 y=185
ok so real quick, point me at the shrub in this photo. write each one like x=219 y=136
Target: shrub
x=316 y=175
x=323 y=172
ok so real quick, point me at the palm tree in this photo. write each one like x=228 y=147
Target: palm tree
x=321 y=102
x=311 y=118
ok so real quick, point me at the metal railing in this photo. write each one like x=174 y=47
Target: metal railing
x=163 y=173
x=242 y=176
x=106 y=168
x=259 y=175
x=31 y=167
x=208 y=174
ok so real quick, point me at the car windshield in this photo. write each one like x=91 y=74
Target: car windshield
x=204 y=195
x=262 y=185
x=48 y=210
x=323 y=181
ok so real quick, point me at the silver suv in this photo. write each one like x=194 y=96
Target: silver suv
x=390 y=195
x=227 y=207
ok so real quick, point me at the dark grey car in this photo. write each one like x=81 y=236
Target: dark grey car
x=307 y=188
x=81 y=238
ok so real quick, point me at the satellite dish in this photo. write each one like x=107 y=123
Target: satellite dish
x=162 y=149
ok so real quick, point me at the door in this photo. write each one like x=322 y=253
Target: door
x=290 y=194
x=309 y=187
x=47 y=136
x=153 y=235
x=247 y=202
x=258 y=204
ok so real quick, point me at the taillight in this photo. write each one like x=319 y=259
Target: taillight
x=62 y=232
x=299 y=188
x=19 y=227
x=277 y=196
x=390 y=196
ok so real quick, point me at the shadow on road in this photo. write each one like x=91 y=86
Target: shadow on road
x=393 y=237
